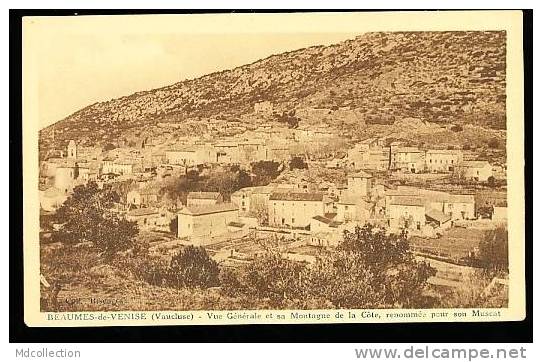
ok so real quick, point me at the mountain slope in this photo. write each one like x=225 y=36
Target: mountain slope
x=448 y=77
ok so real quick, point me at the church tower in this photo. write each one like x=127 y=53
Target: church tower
x=72 y=150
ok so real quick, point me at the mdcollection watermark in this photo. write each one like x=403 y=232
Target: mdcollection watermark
x=47 y=353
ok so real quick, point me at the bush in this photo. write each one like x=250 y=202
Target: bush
x=370 y=270
x=494 y=143
x=193 y=267
x=456 y=128
x=298 y=162
x=493 y=251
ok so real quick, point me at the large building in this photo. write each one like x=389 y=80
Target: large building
x=118 y=167
x=440 y=208
x=407 y=159
x=352 y=207
x=475 y=170
x=206 y=220
x=370 y=155
x=145 y=196
x=442 y=160
x=294 y=209
x=360 y=183
x=406 y=212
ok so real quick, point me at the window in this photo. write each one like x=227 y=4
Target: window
x=293 y=221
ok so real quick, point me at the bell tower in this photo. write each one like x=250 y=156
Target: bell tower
x=72 y=150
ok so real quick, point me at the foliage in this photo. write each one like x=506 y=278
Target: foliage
x=494 y=143
x=493 y=250
x=369 y=270
x=109 y=147
x=86 y=217
x=491 y=181
x=289 y=118
x=225 y=182
x=484 y=212
x=193 y=267
x=258 y=209
x=472 y=294
x=174 y=225
x=298 y=162
x=265 y=172
x=456 y=128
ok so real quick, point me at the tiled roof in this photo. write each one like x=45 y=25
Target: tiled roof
x=408 y=150
x=446 y=152
x=361 y=174
x=437 y=215
x=208 y=209
x=328 y=219
x=408 y=201
x=203 y=195
x=297 y=196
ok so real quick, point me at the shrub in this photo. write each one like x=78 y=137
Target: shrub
x=494 y=143
x=298 y=162
x=193 y=267
x=493 y=251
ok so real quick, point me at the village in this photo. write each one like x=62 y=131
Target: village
x=443 y=198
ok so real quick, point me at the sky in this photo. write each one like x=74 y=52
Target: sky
x=77 y=65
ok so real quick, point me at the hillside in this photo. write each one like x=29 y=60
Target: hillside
x=440 y=77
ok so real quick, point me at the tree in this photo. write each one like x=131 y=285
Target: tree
x=491 y=181
x=86 y=217
x=456 y=128
x=174 y=225
x=393 y=272
x=493 y=250
x=193 y=267
x=369 y=270
x=258 y=209
x=271 y=276
x=493 y=143
x=109 y=147
x=298 y=162
x=265 y=171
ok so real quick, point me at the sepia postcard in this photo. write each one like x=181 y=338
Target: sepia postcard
x=318 y=167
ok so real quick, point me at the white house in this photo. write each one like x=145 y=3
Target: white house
x=476 y=170
x=360 y=183
x=206 y=220
x=294 y=209
x=406 y=212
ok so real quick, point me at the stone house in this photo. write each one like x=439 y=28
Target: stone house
x=200 y=221
x=294 y=209
x=442 y=160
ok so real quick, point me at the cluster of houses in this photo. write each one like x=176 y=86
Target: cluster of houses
x=320 y=213
x=371 y=154
x=323 y=216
